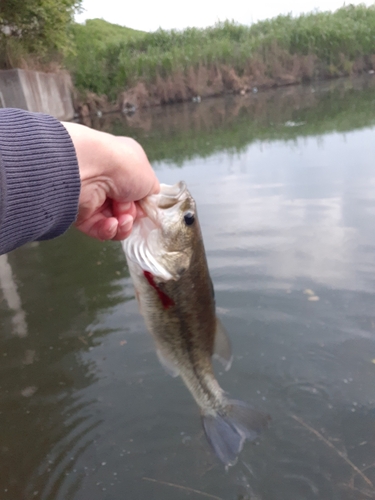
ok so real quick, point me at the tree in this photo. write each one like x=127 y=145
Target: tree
x=35 y=29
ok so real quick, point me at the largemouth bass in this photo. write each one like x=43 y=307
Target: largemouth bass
x=168 y=266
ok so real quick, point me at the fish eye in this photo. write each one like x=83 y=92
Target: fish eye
x=189 y=218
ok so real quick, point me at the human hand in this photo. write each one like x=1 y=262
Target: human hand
x=115 y=173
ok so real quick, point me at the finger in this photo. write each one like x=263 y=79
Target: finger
x=139 y=211
x=124 y=208
x=100 y=227
x=125 y=227
x=155 y=188
x=119 y=208
x=132 y=208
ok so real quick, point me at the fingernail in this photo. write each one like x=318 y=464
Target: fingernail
x=127 y=223
x=123 y=207
x=113 y=226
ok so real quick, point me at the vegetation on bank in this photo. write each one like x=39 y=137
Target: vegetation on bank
x=111 y=58
x=134 y=69
x=35 y=33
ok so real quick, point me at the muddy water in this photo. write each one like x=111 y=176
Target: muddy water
x=285 y=186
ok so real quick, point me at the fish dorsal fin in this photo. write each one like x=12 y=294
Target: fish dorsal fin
x=169 y=366
x=222 y=347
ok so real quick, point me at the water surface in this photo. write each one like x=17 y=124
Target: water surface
x=285 y=186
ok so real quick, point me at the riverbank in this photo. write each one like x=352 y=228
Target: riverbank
x=205 y=82
x=233 y=122
x=126 y=70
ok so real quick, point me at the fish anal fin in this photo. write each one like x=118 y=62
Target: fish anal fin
x=228 y=430
x=169 y=366
x=222 y=346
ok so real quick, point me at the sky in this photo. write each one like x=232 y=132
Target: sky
x=149 y=15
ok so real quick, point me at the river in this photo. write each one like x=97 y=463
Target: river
x=284 y=182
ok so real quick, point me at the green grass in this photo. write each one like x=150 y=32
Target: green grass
x=94 y=42
x=110 y=58
x=99 y=33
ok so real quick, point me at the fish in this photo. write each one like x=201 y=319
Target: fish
x=168 y=266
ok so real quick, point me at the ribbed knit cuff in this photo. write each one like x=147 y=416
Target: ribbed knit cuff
x=39 y=177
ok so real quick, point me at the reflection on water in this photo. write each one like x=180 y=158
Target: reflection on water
x=12 y=298
x=285 y=186
x=177 y=133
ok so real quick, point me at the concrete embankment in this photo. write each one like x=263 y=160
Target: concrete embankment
x=49 y=93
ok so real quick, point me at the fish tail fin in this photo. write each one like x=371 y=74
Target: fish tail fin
x=228 y=429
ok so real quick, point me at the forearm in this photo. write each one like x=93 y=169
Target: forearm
x=39 y=178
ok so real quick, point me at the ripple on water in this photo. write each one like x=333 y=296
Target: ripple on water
x=57 y=476
x=315 y=398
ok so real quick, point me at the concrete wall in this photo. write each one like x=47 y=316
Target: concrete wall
x=35 y=91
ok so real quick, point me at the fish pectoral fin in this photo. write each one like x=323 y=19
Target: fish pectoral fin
x=169 y=366
x=222 y=347
x=179 y=262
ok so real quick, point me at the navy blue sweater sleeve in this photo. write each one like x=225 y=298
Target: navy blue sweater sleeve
x=39 y=178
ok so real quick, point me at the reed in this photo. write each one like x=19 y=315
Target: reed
x=111 y=58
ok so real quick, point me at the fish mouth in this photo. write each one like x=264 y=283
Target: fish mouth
x=169 y=197
x=143 y=246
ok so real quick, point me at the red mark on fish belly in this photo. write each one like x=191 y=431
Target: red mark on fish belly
x=165 y=300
